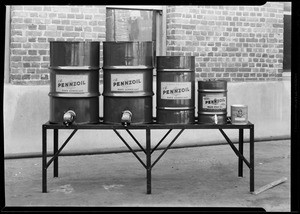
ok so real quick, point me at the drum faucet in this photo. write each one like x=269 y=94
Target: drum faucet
x=126 y=117
x=69 y=117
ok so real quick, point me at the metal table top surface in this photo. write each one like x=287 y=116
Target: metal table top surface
x=153 y=125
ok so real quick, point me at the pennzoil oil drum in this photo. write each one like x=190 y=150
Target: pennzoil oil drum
x=127 y=84
x=212 y=102
x=74 y=81
x=175 y=89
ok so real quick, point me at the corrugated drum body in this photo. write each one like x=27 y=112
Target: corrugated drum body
x=175 y=89
x=212 y=100
x=74 y=81
x=128 y=76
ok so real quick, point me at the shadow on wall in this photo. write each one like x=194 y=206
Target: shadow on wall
x=26 y=108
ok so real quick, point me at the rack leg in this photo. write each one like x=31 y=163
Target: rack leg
x=44 y=160
x=148 y=153
x=55 y=149
x=241 y=150
x=252 y=159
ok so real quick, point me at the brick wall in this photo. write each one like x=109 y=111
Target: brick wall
x=32 y=27
x=236 y=43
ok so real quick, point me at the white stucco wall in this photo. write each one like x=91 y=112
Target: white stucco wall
x=26 y=108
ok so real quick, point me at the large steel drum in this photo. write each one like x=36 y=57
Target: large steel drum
x=128 y=76
x=175 y=89
x=74 y=82
x=212 y=102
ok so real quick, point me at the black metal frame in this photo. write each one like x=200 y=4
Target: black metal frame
x=148 y=151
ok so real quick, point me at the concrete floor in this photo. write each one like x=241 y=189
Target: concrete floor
x=187 y=177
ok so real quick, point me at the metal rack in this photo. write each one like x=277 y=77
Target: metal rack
x=149 y=148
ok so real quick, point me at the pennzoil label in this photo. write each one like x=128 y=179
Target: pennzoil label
x=127 y=82
x=214 y=101
x=239 y=114
x=72 y=83
x=176 y=90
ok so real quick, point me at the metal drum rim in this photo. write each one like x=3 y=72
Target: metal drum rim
x=175 y=108
x=73 y=95
x=74 y=67
x=211 y=81
x=174 y=123
x=212 y=113
x=238 y=105
x=84 y=42
x=124 y=67
x=129 y=42
x=176 y=56
x=130 y=95
x=174 y=70
x=212 y=90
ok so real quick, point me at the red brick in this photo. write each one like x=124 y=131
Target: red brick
x=55 y=21
x=71 y=16
x=32 y=52
x=42 y=27
x=15 y=58
x=26 y=45
x=44 y=65
x=42 y=52
x=232 y=69
x=26 y=65
x=232 y=49
x=33 y=33
x=15 y=76
x=217 y=69
x=79 y=28
x=251 y=79
x=25 y=76
x=238 y=79
x=74 y=10
x=16 y=33
x=42 y=70
x=78 y=22
x=46 y=58
x=18 y=52
x=19 y=26
x=31 y=58
x=41 y=39
x=17 y=20
x=44 y=76
x=32 y=27
x=61 y=15
x=33 y=14
x=28 y=20
x=88 y=16
x=40 y=45
x=99 y=29
x=70 y=34
x=211 y=75
x=15 y=45
x=69 y=28
x=79 y=16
